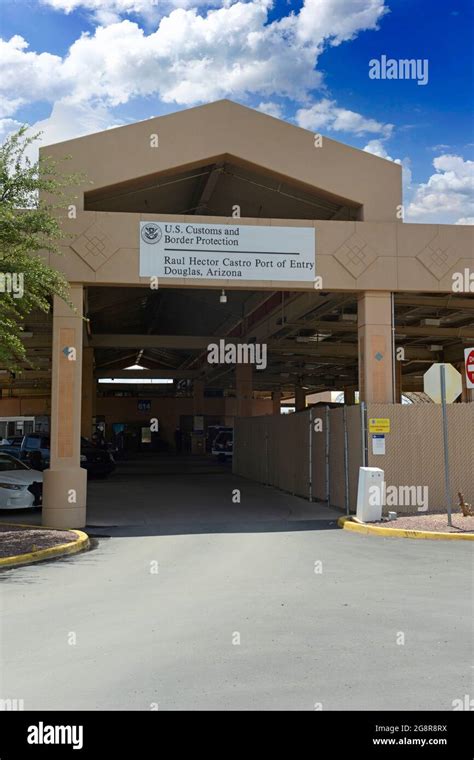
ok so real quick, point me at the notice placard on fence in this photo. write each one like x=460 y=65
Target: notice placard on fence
x=378 y=444
x=379 y=425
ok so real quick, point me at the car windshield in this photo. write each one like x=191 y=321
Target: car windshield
x=10 y=463
x=36 y=442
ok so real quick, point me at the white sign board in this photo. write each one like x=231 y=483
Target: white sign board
x=198 y=422
x=226 y=251
x=378 y=444
x=469 y=366
x=432 y=383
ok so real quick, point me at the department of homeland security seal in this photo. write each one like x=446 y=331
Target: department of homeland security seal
x=151 y=233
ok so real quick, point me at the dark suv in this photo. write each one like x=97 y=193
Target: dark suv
x=223 y=444
x=34 y=449
x=97 y=461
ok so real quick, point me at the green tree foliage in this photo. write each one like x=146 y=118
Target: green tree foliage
x=31 y=192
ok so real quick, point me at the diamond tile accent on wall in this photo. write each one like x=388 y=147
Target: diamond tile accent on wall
x=94 y=246
x=437 y=257
x=355 y=255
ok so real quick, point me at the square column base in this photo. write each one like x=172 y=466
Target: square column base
x=64 y=498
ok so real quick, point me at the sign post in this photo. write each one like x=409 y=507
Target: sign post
x=447 y=483
x=443 y=384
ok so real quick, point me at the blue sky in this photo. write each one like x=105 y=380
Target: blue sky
x=70 y=67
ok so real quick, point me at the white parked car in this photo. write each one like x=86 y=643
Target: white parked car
x=20 y=486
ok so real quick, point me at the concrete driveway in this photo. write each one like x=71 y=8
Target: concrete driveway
x=207 y=604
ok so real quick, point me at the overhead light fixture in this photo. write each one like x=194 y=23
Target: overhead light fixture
x=348 y=318
x=434 y=347
x=223 y=297
x=316 y=338
x=430 y=322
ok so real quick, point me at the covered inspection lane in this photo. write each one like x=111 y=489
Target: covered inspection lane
x=373 y=309
x=312 y=348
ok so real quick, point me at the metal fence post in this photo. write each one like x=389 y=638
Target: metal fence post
x=363 y=432
x=447 y=481
x=346 y=460
x=266 y=455
x=310 y=455
x=327 y=441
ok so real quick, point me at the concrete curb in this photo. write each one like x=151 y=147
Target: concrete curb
x=61 y=550
x=357 y=527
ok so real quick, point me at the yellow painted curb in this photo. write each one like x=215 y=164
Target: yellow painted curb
x=357 y=527
x=61 y=550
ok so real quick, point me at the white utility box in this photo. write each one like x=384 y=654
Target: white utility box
x=370 y=494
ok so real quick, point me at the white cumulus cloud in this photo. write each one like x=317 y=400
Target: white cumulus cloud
x=71 y=120
x=190 y=57
x=191 y=52
x=7 y=127
x=326 y=114
x=449 y=191
x=377 y=148
x=338 y=20
x=27 y=76
x=270 y=108
x=110 y=11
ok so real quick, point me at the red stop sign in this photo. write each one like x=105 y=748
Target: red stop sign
x=470 y=366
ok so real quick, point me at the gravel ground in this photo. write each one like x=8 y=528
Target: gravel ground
x=15 y=540
x=436 y=523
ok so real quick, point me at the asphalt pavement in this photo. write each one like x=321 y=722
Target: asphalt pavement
x=202 y=603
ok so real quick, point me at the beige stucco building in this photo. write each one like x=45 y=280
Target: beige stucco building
x=379 y=284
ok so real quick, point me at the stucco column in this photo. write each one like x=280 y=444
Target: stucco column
x=300 y=399
x=88 y=391
x=349 y=394
x=375 y=347
x=243 y=389
x=276 y=402
x=65 y=483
